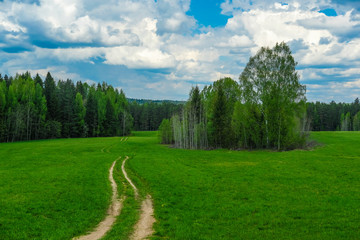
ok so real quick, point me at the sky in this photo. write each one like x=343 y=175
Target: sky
x=159 y=49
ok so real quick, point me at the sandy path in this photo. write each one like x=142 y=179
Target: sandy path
x=136 y=192
x=143 y=228
x=113 y=211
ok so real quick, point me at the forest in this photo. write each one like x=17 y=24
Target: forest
x=266 y=108
x=148 y=114
x=33 y=109
x=334 y=116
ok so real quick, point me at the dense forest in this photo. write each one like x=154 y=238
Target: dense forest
x=334 y=116
x=148 y=114
x=33 y=109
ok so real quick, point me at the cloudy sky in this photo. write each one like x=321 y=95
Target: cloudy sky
x=158 y=49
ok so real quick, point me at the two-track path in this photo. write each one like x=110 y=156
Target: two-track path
x=143 y=228
x=113 y=211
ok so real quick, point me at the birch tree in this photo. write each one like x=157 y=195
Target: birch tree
x=270 y=82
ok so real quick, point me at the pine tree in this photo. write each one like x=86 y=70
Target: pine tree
x=38 y=80
x=52 y=100
x=79 y=115
x=219 y=117
x=110 y=119
x=91 y=116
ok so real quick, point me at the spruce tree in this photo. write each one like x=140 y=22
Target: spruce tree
x=52 y=101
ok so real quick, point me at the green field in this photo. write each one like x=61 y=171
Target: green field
x=59 y=189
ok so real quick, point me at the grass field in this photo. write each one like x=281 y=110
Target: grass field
x=59 y=189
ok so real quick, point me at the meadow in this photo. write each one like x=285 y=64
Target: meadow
x=59 y=189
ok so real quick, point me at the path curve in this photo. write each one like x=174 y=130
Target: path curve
x=136 y=192
x=113 y=211
x=144 y=227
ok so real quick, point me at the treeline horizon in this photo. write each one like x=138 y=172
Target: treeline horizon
x=334 y=116
x=33 y=108
x=265 y=109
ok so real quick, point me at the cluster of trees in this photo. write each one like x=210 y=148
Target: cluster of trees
x=265 y=109
x=334 y=116
x=149 y=114
x=33 y=109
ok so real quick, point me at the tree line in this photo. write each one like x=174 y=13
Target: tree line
x=148 y=114
x=31 y=108
x=334 y=116
x=265 y=109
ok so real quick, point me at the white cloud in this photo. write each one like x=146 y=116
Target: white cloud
x=353 y=84
x=139 y=57
x=237 y=41
x=159 y=35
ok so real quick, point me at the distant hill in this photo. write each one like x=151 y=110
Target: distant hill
x=142 y=101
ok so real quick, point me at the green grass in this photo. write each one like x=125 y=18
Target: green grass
x=59 y=189
x=254 y=195
x=54 y=189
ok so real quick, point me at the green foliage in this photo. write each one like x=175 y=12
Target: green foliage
x=51 y=97
x=148 y=114
x=356 y=122
x=165 y=132
x=80 y=111
x=270 y=81
x=266 y=109
x=219 y=117
x=331 y=116
x=30 y=109
x=91 y=116
x=345 y=122
x=52 y=129
x=190 y=128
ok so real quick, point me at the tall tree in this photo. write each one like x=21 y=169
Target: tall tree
x=110 y=119
x=219 y=117
x=356 y=122
x=3 y=95
x=38 y=80
x=67 y=101
x=52 y=100
x=91 y=116
x=79 y=117
x=165 y=132
x=271 y=82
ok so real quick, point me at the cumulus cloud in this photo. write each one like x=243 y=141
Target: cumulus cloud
x=170 y=49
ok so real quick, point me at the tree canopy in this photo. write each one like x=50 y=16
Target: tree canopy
x=265 y=109
x=31 y=109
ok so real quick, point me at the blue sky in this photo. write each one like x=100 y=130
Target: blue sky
x=159 y=49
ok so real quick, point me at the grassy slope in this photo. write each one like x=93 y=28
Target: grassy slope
x=59 y=189
x=254 y=195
